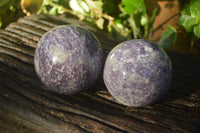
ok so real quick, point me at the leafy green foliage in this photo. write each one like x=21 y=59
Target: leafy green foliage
x=190 y=20
x=53 y=7
x=109 y=7
x=134 y=6
x=10 y=10
x=137 y=17
x=190 y=17
x=197 y=31
x=126 y=18
x=168 y=37
x=121 y=18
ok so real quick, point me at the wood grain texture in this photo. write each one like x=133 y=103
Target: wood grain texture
x=26 y=106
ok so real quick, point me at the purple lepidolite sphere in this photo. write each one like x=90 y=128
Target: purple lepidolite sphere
x=137 y=73
x=68 y=59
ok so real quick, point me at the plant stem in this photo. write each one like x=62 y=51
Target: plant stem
x=133 y=26
x=146 y=31
x=59 y=6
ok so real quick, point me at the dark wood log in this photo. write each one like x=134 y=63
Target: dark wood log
x=26 y=105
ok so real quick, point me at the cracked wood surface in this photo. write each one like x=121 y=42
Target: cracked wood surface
x=25 y=106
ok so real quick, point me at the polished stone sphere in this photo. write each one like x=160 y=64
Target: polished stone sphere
x=68 y=59
x=137 y=73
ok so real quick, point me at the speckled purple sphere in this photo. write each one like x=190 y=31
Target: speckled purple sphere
x=68 y=59
x=137 y=73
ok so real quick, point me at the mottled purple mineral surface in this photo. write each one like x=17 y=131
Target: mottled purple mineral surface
x=68 y=59
x=137 y=73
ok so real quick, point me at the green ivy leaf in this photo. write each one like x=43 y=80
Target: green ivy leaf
x=168 y=37
x=197 y=31
x=183 y=18
x=190 y=23
x=190 y=15
x=195 y=8
x=133 y=6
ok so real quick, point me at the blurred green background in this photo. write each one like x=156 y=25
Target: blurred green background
x=124 y=19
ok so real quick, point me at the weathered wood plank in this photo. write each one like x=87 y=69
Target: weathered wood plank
x=27 y=106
